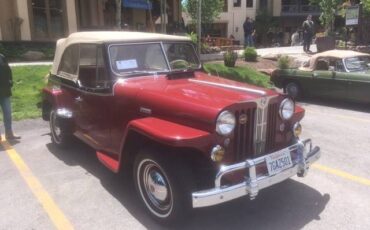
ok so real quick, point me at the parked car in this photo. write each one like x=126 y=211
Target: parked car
x=192 y=140
x=337 y=74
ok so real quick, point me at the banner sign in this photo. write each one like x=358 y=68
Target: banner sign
x=138 y=4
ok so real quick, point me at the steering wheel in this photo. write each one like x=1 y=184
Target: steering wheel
x=179 y=64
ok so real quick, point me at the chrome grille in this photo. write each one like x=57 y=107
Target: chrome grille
x=243 y=134
x=257 y=135
x=271 y=126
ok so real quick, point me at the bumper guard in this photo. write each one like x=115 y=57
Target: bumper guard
x=305 y=156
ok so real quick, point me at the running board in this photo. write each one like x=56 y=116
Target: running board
x=108 y=161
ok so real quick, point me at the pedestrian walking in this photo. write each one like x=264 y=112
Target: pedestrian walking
x=295 y=41
x=6 y=83
x=249 y=30
x=308 y=32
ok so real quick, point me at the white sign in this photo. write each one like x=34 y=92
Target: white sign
x=126 y=64
x=352 y=15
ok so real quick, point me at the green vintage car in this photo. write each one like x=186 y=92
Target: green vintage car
x=338 y=74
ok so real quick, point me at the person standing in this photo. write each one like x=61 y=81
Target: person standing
x=6 y=83
x=308 y=32
x=248 y=27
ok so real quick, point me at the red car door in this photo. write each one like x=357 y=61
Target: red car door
x=92 y=111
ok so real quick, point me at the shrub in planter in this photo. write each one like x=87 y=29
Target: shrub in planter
x=250 y=54
x=230 y=58
x=284 y=62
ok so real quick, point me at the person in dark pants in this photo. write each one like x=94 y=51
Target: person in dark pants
x=248 y=27
x=308 y=32
x=6 y=83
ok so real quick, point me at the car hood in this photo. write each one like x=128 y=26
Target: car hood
x=200 y=97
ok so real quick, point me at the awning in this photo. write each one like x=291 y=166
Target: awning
x=138 y=4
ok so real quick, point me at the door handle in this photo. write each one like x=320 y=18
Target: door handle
x=78 y=99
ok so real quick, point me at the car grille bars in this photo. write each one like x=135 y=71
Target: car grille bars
x=255 y=130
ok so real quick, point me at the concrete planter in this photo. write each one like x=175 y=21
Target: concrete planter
x=325 y=43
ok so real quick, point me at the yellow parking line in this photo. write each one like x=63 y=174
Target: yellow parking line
x=55 y=214
x=342 y=174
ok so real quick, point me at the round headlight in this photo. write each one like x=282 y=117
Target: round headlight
x=286 y=109
x=225 y=123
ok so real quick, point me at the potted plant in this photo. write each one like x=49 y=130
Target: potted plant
x=230 y=58
x=326 y=41
x=250 y=54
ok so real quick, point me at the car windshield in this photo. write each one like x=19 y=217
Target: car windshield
x=150 y=58
x=355 y=64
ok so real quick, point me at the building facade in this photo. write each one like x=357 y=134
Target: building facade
x=48 y=20
x=288 y=14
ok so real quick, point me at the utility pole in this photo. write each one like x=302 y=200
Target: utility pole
x=199 y=26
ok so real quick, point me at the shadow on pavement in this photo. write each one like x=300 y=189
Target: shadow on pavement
x=288 y=205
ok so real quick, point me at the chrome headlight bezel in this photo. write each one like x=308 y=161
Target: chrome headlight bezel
x=225 y=123
x=286 y=109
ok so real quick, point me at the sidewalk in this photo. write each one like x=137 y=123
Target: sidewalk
x=295 y=52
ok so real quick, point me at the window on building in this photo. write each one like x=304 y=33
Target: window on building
x=237 y=3
x=47 y=18
x=250 y=3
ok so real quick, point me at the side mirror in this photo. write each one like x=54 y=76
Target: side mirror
x=331 y=68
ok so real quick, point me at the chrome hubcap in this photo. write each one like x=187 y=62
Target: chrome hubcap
x=292 y=90
x=154 y=188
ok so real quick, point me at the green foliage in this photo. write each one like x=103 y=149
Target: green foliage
x=28 y=82
x=211 y=9
x=284 y=62
x=241 y=74
x=11 y=52
x=328 y=12
x=194 y=37
x=250 y=54
x=14 y=51
x=230 y=58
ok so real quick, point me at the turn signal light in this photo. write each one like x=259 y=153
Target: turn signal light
x=297 y=129
x=217 y=153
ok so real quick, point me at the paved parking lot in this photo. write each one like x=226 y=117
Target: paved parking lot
x=46 y=188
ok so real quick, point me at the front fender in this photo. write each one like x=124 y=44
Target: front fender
x=171 y=134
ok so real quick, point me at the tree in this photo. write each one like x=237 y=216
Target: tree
x=118 y=14
x=211 y=10
x=328 y=11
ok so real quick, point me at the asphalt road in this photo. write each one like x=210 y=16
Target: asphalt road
x=41 y=186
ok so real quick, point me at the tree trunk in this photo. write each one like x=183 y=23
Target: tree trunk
x=118 y=14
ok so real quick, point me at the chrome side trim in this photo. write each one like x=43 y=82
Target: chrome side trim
x=245 y=89
x=305 y=156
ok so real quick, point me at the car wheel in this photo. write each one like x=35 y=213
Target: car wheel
x=61 y=134
x=293 y=90
x=157 y=179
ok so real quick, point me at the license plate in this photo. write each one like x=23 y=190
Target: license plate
x=278 y=161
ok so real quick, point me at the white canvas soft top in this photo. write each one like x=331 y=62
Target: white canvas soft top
x=340 y=54
x=108 y=37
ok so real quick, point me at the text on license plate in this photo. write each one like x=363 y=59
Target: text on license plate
x=278 y=161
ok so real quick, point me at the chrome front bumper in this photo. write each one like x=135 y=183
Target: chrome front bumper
x=304 y=156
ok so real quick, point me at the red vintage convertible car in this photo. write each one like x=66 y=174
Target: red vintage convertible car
x=191 y=140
